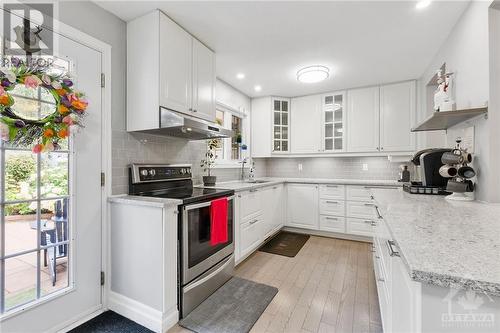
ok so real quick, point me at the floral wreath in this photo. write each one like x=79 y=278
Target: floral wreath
x=44 y=133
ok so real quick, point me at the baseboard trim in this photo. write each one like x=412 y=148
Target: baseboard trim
x=329 y=234
x=68 y=325
x=141 y=313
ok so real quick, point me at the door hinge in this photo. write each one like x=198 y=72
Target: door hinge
x=102 y=278
x=103 y=179
x=103 y=80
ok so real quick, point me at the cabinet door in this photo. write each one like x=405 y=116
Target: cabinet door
x=279 y=206
x=334 y=119
x=404 y=314
x=358 y=193
x=176 y=64
x=203 y=81
x=281 y=121
x=302 y=206
x=250 y=235
x=363 y=120
x=363 y=227
x=251 y=204
x=267 y=195
x=305 y=124
x=397 y=115
x=261 y=127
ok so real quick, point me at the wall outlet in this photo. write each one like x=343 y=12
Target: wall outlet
x=300 y=166
x=365 y=166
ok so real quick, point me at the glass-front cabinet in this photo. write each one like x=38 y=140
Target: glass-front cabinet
x=281 y=117
x=333 y=107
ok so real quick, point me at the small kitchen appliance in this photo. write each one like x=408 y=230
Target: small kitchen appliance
x=457 y=170
x=203 y=267
x=427 y=163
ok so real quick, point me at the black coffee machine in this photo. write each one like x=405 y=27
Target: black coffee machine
x=428 y=162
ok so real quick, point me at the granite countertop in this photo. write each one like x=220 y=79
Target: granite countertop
x=239 y=186
x=446 y=243
x=144 y=201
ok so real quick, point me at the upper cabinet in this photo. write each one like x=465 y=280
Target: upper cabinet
x=261 y=127
x=333 y=122
x=281 y=121
x=171 y=68
x=363 y=120
x=397 y=117
x=305 y=120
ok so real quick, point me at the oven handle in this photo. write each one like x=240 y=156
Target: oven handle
x=204 y=204
x=211 y=275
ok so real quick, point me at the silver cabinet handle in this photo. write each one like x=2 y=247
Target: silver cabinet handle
x=380 y=280
x=332 y=218
x=194 y=110
x=369 y=205
x=378 y=212
x=368 y=221
x=390 y=246
x=331 y=202
x=275 y=187
x=254 y=221
x=371 y=222
x=332 y=186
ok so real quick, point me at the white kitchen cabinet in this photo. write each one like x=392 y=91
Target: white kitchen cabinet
x=362 y=227
x=273 y=201
x=363 y=120
x=176 y=67
x=332 y=207
x=169 y=66
x=251 y=231
x=261 y=127
x=332 y=223
x=305 y=122
x=251 y=204
x=203 y=81
x=362 y=210
x=397 y=117
x=281 y=125
x=302 y=206
x=358 y=193
x=333 y=120
x=332 y=191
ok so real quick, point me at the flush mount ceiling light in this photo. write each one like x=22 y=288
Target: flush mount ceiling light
x=257 y=88
x=313 y=74
x=423 y=4
x=240 y=76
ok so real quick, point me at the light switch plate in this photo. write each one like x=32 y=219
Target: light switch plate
x=365 y=166
x=300 y=166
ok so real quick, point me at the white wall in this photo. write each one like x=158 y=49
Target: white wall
x=466 y=54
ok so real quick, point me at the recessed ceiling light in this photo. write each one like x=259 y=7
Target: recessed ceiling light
x=313 y=74
x=240 y=76
x=423 y=4
x=257 y=88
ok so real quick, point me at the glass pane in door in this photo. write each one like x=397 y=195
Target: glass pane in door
x=20 y=280
x=277 y=118
x=284 y=106
x=328 y=130
x=338 y=115
x=284 y=118
x=277 y=105
x=328 y=144
x=338 y=144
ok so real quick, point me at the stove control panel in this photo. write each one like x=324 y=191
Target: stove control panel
x=142 y=173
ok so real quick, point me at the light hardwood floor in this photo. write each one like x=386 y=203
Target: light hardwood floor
x=328 y=287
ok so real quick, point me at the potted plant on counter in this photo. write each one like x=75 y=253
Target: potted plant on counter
x=208 y=162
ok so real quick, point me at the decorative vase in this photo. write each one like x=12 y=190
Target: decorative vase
x=209 y=180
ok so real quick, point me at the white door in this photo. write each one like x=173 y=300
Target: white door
x=176 y=64
x=302 y=205
x=77 y=291
x=203 y=81
x=363 y=120
x=397 y=115
x=305 y=122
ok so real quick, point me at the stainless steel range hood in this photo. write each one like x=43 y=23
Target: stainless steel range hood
x=183 y=126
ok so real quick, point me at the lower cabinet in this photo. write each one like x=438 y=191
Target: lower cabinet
x=332 y=223
x=259 y=214
x=302 y=206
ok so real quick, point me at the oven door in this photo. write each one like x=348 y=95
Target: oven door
x=198 y=255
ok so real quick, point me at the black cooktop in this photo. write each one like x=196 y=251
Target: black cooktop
x=189 y=195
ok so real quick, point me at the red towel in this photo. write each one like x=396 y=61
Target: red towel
x=218 y=221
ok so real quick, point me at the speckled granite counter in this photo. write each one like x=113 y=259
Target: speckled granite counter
x=446 y=243
x=238 y=186
x=144 y=201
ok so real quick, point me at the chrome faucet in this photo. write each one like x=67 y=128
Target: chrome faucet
x=243 y=161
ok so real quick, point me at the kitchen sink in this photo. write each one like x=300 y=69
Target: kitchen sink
x=257 y=181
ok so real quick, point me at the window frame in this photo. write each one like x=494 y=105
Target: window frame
x=226 y=161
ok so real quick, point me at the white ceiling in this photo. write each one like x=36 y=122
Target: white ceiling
x=363 y=42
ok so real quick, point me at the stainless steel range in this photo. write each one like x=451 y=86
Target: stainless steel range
x=203 y=268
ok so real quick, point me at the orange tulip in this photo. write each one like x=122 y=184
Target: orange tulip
x=48 y=133
x=63 y=133
x=61 y=92
x=79 y=104
x=63 y=109
x=4 y=99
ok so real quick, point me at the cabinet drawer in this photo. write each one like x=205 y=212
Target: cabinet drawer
x=332 y=207
x=362 y=210
x=332 y=191
x=332 y=223
x=250 y=204
x=358 y=193
x=250 y=234
x=363 y=227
